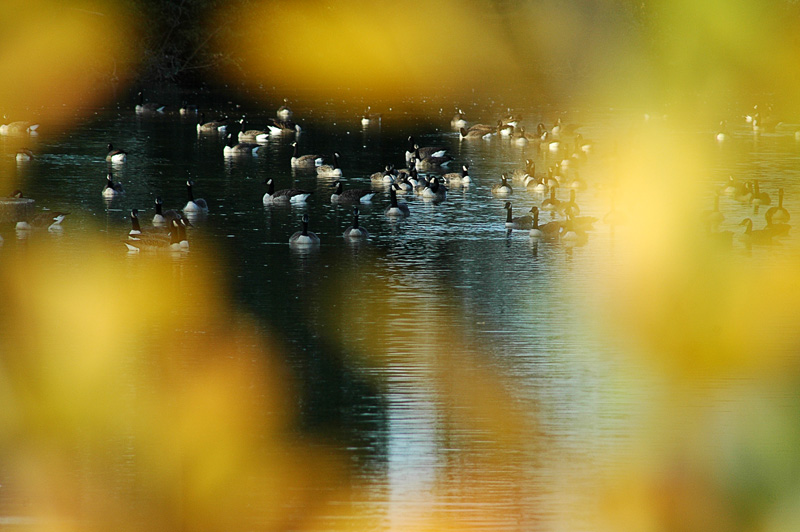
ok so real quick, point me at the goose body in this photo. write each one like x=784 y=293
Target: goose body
x=759 y=198
x=155 y=242
x=47 y=219
x=425 y=152
x=396 y=209
x=551 y=203
x=24 y=155
x=304 y=237
x=213 y=126
x=502 y=188
x=116 y=155
x=459 y=120
x=162 y=217
x=143 y=107
x=778 y=215
x=754 y=236
x=368 y=118
x=355 y=231
x=520 y=222
x=385 y=177
x=252 y=135
x=330 y=170
x=194 y=205
x=353 y=195
x=434 y=191
x=547 y=231
x=19 y=128
x=283 y=112
x=478 y=131
x=232 y=148
x=456 y=179
x=283 y=127
x=304 y=161
x=111 y=189
x=286 y=195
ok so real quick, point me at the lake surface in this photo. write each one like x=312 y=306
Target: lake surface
x=475 y=307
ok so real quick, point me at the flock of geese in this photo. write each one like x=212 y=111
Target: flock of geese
x=425 y=175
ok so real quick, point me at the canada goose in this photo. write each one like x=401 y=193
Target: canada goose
x=511 y=120
x=283 y=112
x=353 y=195
x=19 y=128
x=304 y=237
x=571 y=205
x=521 y=174
x=194 y=205
x=283 y=127
x=714 y=217
x=434 y=191
x=572 y=234
x=232 y=148
x=49 y=219
x=754 y=236
x=583 y=145
x=252 y=135
x=147 y=108
x=304 y=161
x=430 y=162
x=520 y=222
x=187 y=109
x=414 y=150
x=159 y=242
x=395 y=208
x=505 y=130
x=383 y=178
x=214 y=126
x=520 y=137
x=137 y=231
x=369 y=118
x=459 y=120
x=162 y=217
x=547 y=231
x=759 y=198
x=355 y=231
x=778 y=215
x=402 y=185
x=455 y=179
x=24 y=155
x=554 y=146
x=286 y=195
x=502 y=188
x=744 y=194
x=551 y=203
x=111 y=189
x=477 y=131
x=116 y=155
x=330 y=170
x=731 y=187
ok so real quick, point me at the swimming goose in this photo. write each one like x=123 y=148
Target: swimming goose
x=330 y=170
x=456 y=179
x=395 y=208
x=157 y=241
x=304 y=237
x=520 y=222
x=116 y=155
x=522 y=174
x=572 y=234
x=137 y=231
x=285 y=195
x=511 y=120
x=283 y=112
x=759 y=198
x=282 y=127
x=431 y=162
x=162 y=217
x=187 y=109
x=477 y=131
x=214 y=126
x=242 y=148
x=570 y=205
x=754 y=236
x=252 y=135
x=548 y=231
x=304 y=161
x=402 y=184
x=49 y=219
x=111 y=189
x=194 y=205
x=353 y=195
x=147 y=108
x=385 y=177
x=355 y=231
x=414 y=150
x=502 y=188
x=369 y=118
x=551 y=203
x=434 y=191
x=505 y=130
x=19 y=127
x=778 y=215
x=521 y=137
x=459 y=120
x=744 y=194
x=24 y=155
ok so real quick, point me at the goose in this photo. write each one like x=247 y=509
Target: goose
x=572 y=234
x=402 y=185
x=522 y=174
x=24 y=155
x=505 y=130
x=147 y=108
x=116 y=155
x=778 y=215
x=459 y=120
x=571 y=205
x=330 y=170
x=777 y=229
x=283 y=112
x=582 y=145
x=282 y=127
x=581 y=223
x=547 y=231
x=232 y=148
x=369 y=118
x=430 y=162
x=477 y=131
x=252 y=135
x=19 y=127
x=385 y=177
x=455 y=179
x=162 y=217
x=759 y=198
x=396 y=209
x=136 y=227
x=355 y=231
x=195 y=206
x=286 y=195
x=744 y=194
x=754 y=236
x=502 y=188
x=49 y=219
x=353 y=195
x=159 y=242
x=714 y=217
x=304 y=161
x=521 y=137
x=551 y=203
x=414 y=150
x=187 y=109
x=214 y=126
x=304 y=237
x=511 y=120
x=520 y=222
x=434 y=191
x=111 y=189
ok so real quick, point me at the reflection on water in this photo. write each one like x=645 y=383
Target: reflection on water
x=389 y=338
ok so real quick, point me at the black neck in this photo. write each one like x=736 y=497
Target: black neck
x=189 y=192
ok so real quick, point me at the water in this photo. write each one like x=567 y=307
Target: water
x=410 y=348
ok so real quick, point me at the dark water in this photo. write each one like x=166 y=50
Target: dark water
x=449 y=271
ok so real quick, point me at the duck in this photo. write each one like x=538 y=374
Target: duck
x=171 y=241
x=47 y=219
x=778 y=215
x=285 y=195
x=502 y=188
x=213 y=126
x=355 y=231
x=194 y=205
x=24 y=155
x=283 y=127
x=283 y=112
x=116 y=155
x=19 y=127
x=353 y=195
x=754 y=236
x=520 y=222
x=149 y=107
x=396 y=209
x=456 y=179
x=304 y=161
x=162 y=217
x=459 y=120
x=232 y=148
x=330 y=170
x=477 y=131
x=252 y=135
x=434 y=192
x=111 y=189
x=304 y=237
